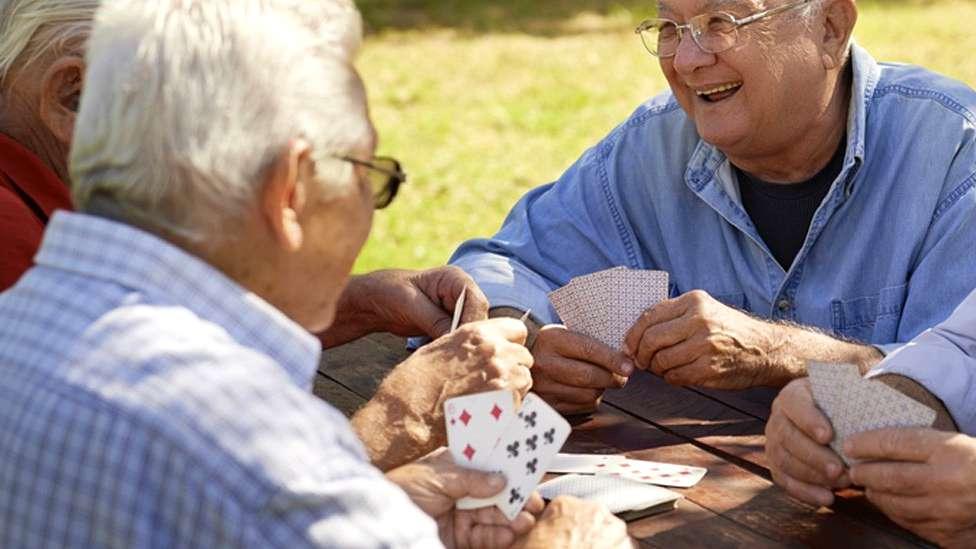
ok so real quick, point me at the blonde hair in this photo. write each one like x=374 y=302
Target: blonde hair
x=29 y=29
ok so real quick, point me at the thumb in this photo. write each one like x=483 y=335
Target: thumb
x=475 y=484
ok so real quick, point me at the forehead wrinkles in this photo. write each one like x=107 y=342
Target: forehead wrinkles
x=671 y=6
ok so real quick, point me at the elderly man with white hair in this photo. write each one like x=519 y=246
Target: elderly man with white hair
x=41 y=68
x=809 y=203
x=41 y=73
x=154 y=377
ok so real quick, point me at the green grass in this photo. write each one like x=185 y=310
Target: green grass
x=484 y=100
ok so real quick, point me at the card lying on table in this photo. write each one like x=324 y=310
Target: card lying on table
x=618 y=494
x=637 y=470
x=604 y=305
x=855 y=405
x=519 y=443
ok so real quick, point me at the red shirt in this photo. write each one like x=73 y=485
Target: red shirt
x=29 y=194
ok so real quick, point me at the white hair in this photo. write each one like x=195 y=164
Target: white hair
x=31 y=28
x=187 y=103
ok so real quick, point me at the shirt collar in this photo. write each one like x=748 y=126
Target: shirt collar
x=31 y=178
x=119 y=253
x=706 y=159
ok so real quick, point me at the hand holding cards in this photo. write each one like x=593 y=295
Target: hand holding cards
x=486 y=432
x=604 y=305
x=855 y=405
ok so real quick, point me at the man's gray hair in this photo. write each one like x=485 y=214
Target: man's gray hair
x=187 y=103
x=31 y=28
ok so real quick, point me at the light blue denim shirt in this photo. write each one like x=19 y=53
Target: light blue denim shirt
x=890 y=252
x=943 y=360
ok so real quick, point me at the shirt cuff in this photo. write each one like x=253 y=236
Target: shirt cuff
x=507 y=283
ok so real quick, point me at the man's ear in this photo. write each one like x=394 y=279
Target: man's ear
x=282 y=197
x=840 y=16
x=61 y=95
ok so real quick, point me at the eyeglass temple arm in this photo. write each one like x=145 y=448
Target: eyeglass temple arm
x=769 y=13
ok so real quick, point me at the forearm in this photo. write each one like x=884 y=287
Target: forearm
x=392 y=429
x=355 y=314
x=789 y=347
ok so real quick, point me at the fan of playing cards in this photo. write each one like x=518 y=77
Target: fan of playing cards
x=486 y=432
x=604 y=305
x=855 y=405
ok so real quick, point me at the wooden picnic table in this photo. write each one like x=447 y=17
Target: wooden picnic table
x=735 y=505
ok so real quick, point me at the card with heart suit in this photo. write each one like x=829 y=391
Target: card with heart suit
x=618 y=494
x=523 y=453
x=604 y=305
x=855 y=405
x=652 y=472
x=582 y=463
x=474 y=423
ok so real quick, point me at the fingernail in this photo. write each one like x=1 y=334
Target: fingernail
x=497 y=482
x=627 y=368
x=821 y=434
x=833 y=470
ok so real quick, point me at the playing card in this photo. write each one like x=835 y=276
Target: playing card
x=652 y=472
x=523 y=453
x=829 y=381
x=474 y=423
x=617 y=494
x=458 y=308
x=604 y=305
x=867 y=405
x=582 y=463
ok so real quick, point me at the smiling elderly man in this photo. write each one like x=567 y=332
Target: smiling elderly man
x=155 y=365
x=808 y=202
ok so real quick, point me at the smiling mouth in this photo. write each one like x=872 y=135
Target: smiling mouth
x=719 y=93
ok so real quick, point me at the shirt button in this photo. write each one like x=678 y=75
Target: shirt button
x=784 y=305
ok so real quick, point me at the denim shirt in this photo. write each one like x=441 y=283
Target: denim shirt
x=890 y=251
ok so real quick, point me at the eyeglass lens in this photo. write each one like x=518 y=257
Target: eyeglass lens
x=713 y=32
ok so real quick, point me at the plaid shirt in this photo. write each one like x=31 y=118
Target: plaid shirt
x=148 y=401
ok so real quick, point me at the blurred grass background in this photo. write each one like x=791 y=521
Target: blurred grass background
x=483 y=100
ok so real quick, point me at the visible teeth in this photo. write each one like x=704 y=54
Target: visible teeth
x=720 y=89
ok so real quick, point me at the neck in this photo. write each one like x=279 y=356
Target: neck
x=809 y=149
x=18 y=121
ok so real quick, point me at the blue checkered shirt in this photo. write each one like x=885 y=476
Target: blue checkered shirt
x=146 y=400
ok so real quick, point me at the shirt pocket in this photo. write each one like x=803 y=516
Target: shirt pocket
x=871 y=319
x=736 y=301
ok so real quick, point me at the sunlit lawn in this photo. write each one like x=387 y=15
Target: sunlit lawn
x=485 y=100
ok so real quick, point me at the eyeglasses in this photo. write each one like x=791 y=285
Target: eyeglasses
x=713 y=32
x=385 y=178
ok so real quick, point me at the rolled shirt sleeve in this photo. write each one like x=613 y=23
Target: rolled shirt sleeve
x=943 y=360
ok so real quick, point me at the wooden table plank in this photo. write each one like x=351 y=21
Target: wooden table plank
x=338 y=396
x=735 y=505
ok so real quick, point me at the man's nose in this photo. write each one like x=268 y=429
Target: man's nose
x=689 y=56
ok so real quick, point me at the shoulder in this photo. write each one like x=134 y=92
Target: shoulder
x=922 y=90
x=223 y=407
x=22 y=232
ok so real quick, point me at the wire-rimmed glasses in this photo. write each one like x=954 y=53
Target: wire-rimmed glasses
x=713 y=32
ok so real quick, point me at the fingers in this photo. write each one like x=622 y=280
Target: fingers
x=552 y=390
x=459 y=482
x=535 y=504
x=796 y=403
x=664 y=311
x=893 y=444
x=562 y=342
x=805 y=492
x=578 y=374
x=904 y=508
x=905 y=479
x=508 y=328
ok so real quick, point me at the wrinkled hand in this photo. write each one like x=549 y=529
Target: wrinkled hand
x=572 y=370
x=696 y=340
x=923 y=479
x=797 y=435
x=574 y=523
x=434 y=483
x=406 y=303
